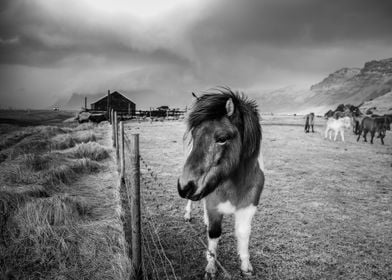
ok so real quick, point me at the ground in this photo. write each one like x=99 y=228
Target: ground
x=325 y=212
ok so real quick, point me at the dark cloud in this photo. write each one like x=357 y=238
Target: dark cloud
x=249 y=44
x=297 y=22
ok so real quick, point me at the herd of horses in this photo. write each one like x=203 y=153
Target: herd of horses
x=346 y=116
x=224 y=165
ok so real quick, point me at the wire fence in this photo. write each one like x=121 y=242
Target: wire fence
x=147 y=250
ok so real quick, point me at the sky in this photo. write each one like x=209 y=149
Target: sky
x=158 y=52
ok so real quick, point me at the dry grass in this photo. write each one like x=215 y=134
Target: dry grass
x=65 y=141
x=90 y=150
x=50 y=242
x=68 y=172
x=325 y=212
x=37 y=162
x=53 y=224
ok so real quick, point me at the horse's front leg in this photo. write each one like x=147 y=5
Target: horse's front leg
x=336 y=135
x=372 y=133
x=243 y=219
x=188 y=209
x=342 y=135
x=214 y=233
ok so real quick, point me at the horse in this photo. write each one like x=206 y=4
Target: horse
x=309 y=122
x=357 y=118
x=224 y=167
x=337 y=125
x=342 y=110
x=373 y=125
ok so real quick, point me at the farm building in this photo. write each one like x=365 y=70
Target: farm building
x=117 y=101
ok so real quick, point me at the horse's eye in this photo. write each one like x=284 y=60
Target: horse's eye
x=221 y=140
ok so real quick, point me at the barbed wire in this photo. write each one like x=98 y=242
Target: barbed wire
x=153 y=231
x=155 y=178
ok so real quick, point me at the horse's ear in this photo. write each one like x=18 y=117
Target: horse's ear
x=229 y=107
x=195 y=96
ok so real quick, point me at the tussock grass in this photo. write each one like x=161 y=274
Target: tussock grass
x=85 y=126
x=84 y=136
x=36 y=162
x=54 y=211
x=91 y=150
x=69 y=172
x=37 y=145
x=53 y=225
x=67 y=250
x=16 y=174
x=62 y=141
x=65 y=141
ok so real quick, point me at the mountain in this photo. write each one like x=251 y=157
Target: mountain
x=346 y=85
x=380 y=105
x=353 y=85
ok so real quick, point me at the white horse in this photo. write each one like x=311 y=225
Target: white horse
x=337 y=125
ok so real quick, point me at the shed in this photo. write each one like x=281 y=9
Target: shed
x=118 y=102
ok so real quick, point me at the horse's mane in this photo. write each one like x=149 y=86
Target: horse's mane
x=212 y=106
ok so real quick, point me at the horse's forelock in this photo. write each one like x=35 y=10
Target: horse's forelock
x=212 y=106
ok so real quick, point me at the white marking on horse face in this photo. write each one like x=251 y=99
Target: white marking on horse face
x=188 y=145
x=261 y=161
x=243 y=219
x=226 y=208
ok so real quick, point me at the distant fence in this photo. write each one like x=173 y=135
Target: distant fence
x=128 y=160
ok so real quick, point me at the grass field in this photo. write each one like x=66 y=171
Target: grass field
x=34 y=117
x=325 y=212
x=60 y=210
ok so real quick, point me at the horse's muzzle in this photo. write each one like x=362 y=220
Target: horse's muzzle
x=188 y=190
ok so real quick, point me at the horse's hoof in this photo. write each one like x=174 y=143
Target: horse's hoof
x=187 y=219
x=250 y=274
x=209 y=276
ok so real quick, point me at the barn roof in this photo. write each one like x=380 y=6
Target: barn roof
x=113 y=93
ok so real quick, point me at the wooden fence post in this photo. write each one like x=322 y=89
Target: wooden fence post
x=113 y=130
x=122 y=171
x=116 y=136
x=135 y=206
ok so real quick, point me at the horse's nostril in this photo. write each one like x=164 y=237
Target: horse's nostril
x=186 y=191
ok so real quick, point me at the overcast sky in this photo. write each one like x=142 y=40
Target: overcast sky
x=160 y=51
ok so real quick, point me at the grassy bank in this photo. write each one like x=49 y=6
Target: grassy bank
x=59 y=207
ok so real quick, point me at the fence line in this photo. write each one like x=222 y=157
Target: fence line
x=127 y=152
x=155 y=177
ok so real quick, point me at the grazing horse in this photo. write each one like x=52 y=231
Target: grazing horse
x=224 y=167
x=309 y=123
x=374 y=125
x=337 y=125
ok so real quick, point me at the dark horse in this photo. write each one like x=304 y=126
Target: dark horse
x=224 y=167
x=309 y=122
x=374 y=125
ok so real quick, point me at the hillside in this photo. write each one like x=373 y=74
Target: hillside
x=380 y=105
x=346 y=85
x=352 y=85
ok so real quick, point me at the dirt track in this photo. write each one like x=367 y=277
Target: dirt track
x=325 y=212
